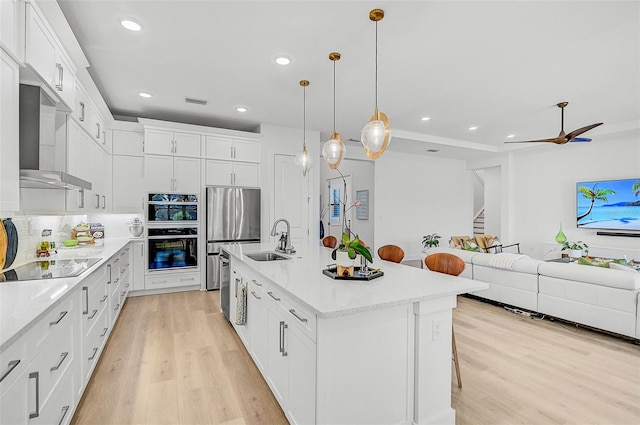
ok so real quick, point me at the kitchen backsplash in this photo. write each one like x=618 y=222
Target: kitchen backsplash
x=30 y=229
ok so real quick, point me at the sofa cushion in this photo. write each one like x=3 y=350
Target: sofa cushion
x=594 y=275
x=524 y=264
x=465 y=255
x=616 y=266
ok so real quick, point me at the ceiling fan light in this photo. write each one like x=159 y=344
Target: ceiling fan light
x=333 y=151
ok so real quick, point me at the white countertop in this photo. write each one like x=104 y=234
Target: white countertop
x=22 y=303
x=302 y=278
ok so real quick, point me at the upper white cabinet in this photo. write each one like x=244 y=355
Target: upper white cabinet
x=231 y=149
x=167 y=174
x=223 y=173
x=174 y=143
x=126 y=142
x=45 y=55
x=9 y=26
x=128 y=171
x=9 y=153
x=96 y=126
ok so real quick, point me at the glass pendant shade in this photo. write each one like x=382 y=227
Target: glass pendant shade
x=304 y=161
x=375 y=135
x=333 y=151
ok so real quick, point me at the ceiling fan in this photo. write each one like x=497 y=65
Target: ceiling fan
x=562 y=137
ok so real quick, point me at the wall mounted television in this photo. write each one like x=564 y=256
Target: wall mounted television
x=608 y=204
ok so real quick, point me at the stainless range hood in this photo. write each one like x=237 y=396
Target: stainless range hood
x=40 y=159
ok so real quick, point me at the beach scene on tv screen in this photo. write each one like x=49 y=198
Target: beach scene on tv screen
x=611 y=204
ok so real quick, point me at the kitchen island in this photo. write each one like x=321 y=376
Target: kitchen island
x=347 y=352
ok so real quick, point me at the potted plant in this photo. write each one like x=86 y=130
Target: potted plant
x=576 y=249
x=430 y=241
x=345 y=254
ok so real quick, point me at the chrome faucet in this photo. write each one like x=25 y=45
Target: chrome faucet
x=285 y=243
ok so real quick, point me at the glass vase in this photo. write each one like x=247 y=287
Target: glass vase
x=561 y=238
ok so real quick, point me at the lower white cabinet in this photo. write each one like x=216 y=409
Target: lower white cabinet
x=280 y=336
x=137 y=261
x=162 y=280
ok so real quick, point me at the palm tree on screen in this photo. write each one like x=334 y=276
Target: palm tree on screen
x=594 y=194
x=636 y=188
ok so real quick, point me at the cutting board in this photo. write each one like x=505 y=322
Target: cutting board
x=3 y=245
x=12 y=242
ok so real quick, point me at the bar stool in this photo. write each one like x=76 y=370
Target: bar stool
x=391 y=253
x=330 y=241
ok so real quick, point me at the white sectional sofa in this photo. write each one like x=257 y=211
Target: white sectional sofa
x=602 y=298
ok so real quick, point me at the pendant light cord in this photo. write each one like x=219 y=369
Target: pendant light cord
x=334 y=96
x=304 y=117
x=376 y=67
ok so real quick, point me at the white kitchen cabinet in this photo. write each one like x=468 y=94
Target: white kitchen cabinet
x=9 y=133
x=229 y=149
x=125 y=142
x=171 y=174
x=81 y=110
x=45 y=55
x=257 y=325
x=172 y=143
x=96 y=126
x=225 y=173
x=127 y=195
x=137 y=260
x=9 y=26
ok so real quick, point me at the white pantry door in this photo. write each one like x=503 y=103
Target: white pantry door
x=291 y=196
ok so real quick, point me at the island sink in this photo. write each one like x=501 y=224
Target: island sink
x=267 y=256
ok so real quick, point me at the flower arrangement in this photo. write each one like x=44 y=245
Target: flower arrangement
x=431 y=240
x=352 y=247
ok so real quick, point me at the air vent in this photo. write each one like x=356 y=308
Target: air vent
x=195 y=101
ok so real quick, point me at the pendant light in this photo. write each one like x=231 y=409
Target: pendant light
x=303 y=159
x=334 y=149
x=375 y=134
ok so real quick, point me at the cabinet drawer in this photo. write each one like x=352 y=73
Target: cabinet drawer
x=115 y=305
x=95 y=300
x=59 y=317
x=296 y=315
x=58 y=409
x=171 y=280
x=13 y=361
x=93 y=344
x=52 y=362
x=125 y=260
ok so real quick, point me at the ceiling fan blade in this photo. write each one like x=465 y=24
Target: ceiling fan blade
x=556 y=140
x=579 y=131
x=580 y=139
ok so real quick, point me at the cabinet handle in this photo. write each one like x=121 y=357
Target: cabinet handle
x=104 y=137
x=117 y=307
x=60 y=76
x=95 y=351
x=10 y=366
x=97 y=200
x=126 y=286
x=273 y=296
x=86 y=298
x=93 y=314
x=82 y=111
x=186 y=279
x=98 y=130
x=280 y=337
x=62 y=357
x=104 y=202
x=116 y=260
x=62 y=314
x=122 y=293
x=109 y=268
x=117 y=280
x=300 y=318
x=256 y=282
x=254 y=294
x=283 y=327
x=36 y=376
x=104 y=298
x=104 y=332
x=65 y=409
x=81 y=199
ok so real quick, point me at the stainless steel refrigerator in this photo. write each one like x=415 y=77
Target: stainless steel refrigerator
x=233 y=215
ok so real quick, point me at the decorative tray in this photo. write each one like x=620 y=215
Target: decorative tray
x=331 y=271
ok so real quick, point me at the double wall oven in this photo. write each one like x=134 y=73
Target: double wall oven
x=172 y=231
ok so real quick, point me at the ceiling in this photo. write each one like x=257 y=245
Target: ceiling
x=498 y=65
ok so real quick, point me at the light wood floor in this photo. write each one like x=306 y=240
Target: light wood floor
x=173 y=359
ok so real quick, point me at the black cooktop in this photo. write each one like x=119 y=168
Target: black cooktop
x=48 y=269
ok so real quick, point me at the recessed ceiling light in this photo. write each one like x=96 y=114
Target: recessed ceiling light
x=425 y=118
x=144 y=94
x=473 y=127
x=242 y=108
x=131 y=25
x=282 y=60
x=511 y=136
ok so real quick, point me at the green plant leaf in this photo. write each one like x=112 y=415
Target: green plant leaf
x=364 y=251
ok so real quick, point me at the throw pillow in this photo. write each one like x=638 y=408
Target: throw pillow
x=586 y=262
x=470 y=246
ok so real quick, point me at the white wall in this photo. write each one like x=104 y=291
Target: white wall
x=542 y=190
x=418 y=195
